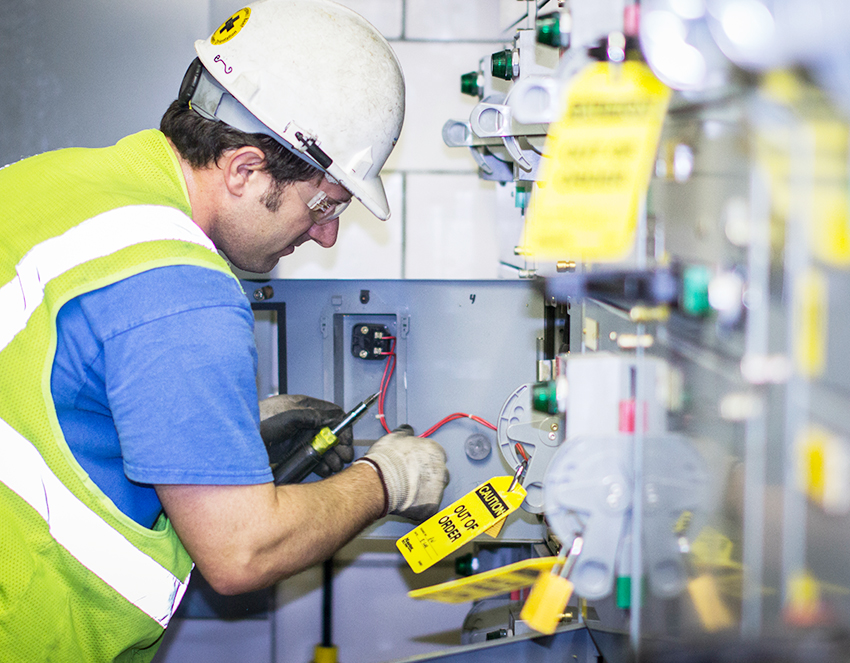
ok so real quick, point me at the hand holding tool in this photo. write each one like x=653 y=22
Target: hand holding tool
x=307 y=453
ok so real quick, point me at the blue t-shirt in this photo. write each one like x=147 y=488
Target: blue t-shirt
x=154 y=383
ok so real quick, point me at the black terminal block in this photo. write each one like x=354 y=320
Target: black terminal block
x=369 y=341
x=654 y=286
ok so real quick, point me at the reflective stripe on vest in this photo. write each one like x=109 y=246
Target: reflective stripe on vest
x=94 y=543
x=96 y=237
x=91 y=540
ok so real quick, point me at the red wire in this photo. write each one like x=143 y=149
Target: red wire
x=389 y=369
x=521 y=451
x=452 y=417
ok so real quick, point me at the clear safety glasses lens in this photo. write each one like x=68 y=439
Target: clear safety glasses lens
x=325 y=209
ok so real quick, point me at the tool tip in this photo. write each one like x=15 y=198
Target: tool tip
x=372 y=398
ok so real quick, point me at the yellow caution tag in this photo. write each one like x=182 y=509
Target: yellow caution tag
x=495 y=530
x=546 y=603
x=490 y=583
x=460 y=522
x=713 y=613
x=600 y=156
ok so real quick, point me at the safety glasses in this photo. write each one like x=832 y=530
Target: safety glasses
x=323 y=208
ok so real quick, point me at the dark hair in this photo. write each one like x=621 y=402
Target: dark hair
x=201 y=142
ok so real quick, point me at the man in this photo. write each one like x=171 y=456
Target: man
x=130 y=443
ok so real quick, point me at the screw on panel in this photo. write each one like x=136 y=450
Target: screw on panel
x=266 y=292
x=615 y=493
x=477 y=446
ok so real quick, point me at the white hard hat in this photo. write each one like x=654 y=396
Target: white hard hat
x=319 y=78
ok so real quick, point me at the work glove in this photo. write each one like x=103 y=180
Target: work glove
x=288 y=421
x=413 y=473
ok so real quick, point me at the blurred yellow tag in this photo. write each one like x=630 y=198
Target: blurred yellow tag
x=830 y=228
x=546 y=603
x=600 y=156
x=803 y=600
x=812 y=446
x=712 y=549
x=823 y=469
x=811 y=306
x=460 y=522
x=713 y=613
x=806 y=161
x=490 y=583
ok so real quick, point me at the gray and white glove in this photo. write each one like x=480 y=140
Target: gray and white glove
x=413 y=473
x=288 y=420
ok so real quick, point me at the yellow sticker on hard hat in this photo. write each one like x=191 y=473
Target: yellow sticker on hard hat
x=489 y=583
x=599 y=156
x=231 y=27
x=460 y=522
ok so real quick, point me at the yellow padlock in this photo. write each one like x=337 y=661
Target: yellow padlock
x=550 y=594
x=546 y=603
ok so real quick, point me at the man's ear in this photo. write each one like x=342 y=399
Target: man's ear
x=240 y=168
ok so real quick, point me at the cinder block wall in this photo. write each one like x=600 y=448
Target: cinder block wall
x=442 y=224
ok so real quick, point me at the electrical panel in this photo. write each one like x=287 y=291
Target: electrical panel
x=455 y=347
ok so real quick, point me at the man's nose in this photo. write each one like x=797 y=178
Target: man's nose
x=325 y=235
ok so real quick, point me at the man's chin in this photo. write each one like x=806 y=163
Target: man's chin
x=267 y=265
x=256 y=268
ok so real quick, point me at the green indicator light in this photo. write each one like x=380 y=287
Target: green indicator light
x=469 y=84
x=544 y=397
x=523 y=196
x=553 y=30
x=624 y=592
x=549 y=30
x=466 y=565
x=695 y=281
x=501 y=65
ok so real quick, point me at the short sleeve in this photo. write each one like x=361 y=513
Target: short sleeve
x=180 y=378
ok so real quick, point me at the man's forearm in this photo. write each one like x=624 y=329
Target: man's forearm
x=244 y=538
